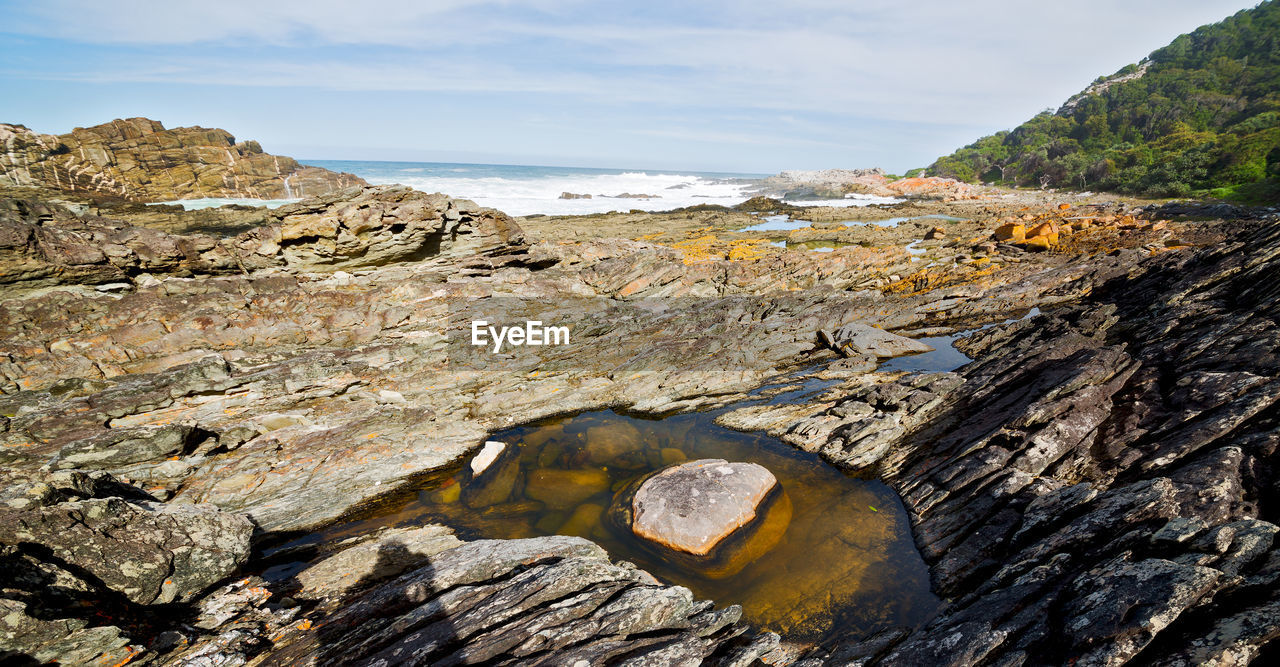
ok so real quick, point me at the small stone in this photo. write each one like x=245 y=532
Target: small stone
x=671 y=456
x=386 y=396
x=276 y=421
x=583 y=521
x=113 y=287
x=488 y=454
x=612 y=441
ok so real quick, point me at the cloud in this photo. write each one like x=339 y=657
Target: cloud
x=987 y=64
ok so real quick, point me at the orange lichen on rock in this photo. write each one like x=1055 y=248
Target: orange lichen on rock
x=1011 y=232
x=698 y=249
x=747 y=250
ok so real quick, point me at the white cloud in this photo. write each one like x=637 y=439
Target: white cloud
x=988 y=63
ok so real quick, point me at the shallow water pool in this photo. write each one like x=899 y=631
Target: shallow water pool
x=844 y=565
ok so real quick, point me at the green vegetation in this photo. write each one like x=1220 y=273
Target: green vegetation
x=1200 y=116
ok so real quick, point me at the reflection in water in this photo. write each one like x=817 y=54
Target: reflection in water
x=845 y=565
x=784 y=222
x=944 y=357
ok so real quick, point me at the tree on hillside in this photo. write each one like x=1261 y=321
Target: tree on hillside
x=1201 y=115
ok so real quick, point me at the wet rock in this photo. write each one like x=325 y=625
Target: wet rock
x=499 y=472
x=564 y=489
x=611 y=442
x=692 y=507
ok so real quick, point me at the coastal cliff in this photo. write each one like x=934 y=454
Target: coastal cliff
x=138 y=159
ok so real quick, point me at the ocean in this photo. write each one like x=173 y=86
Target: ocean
x=528 y=190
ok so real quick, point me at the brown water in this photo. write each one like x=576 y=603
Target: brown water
x=844 y=567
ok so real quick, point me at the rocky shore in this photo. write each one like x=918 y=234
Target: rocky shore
x=137 y=159
x=186 y=391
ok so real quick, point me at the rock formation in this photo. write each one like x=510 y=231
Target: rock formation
x=694 y=506
x=856 y=338
x=45 y=244
x=182 y=411
x=138 y=159
x=1098 y=486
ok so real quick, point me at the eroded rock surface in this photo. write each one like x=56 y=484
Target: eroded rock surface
x=539 y=601
x=139 y=159
x=1097 y=485
x=856 y=338
x=48 y=244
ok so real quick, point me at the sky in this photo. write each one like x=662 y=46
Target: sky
x=741 y=86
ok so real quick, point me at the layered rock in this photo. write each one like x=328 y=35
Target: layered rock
x=138 y=159
x=540 y=601
x=856 y=338
x=1097 y=487
x=47 y=244
x=291 y=393
x=86 y=556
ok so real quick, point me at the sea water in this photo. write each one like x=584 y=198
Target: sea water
x=529 y=190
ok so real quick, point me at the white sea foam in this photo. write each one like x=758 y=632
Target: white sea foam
x=541 y=194
x=522 y=190
x=214 y=202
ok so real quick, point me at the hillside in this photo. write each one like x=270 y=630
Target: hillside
x=1200 y=116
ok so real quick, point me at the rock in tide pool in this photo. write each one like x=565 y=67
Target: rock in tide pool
x=488 y=454
x=694 y=506
x=565 y=489
x=858 y=338
x=494 y=474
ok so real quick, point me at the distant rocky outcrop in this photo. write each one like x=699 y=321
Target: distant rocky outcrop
x=836 y=183
x=138 y=159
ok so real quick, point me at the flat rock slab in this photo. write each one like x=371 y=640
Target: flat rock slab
x=692 y=507
x=866 y=339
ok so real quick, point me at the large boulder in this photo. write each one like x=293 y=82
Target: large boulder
x=694 y=506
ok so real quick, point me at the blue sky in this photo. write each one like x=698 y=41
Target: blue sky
x=728 y=86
